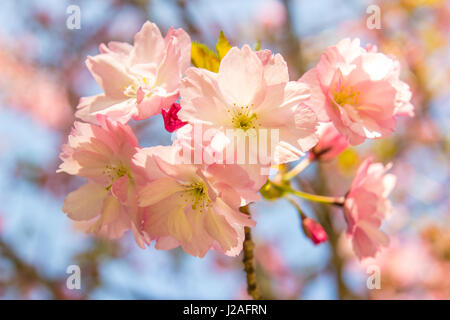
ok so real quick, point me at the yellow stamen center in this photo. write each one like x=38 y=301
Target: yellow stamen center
x=243 y=118
x=132 y=89
x=347 y=96
x=114 y=172
x=196 y=194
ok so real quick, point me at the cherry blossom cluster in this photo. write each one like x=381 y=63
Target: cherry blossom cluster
x=351 y=95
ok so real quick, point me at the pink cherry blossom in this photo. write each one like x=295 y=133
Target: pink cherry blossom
x=366 y=205
x=193 y=206
x=359 y=90
x=314 y=231
x=251 y=92
x=138 y=81
x=171 y=120
x=106 y=203
x=331 y=143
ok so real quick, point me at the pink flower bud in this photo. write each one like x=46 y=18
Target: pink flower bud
x=314 y=231
x=171 y=120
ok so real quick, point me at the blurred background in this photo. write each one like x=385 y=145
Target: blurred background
x=42 y=76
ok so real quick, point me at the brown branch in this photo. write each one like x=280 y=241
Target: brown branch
x=292 y=44
x=249 y=263
x=187 y=19
x=29 y=273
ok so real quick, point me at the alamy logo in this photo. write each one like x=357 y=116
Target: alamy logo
x=74 y=20
x=73 y=281
x=374 y=20
x=374 y=280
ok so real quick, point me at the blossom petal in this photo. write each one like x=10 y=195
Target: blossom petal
x=148 y=45
x=219 y=229
x=240 y=75
x=158 y=190
x=85 y=203
x=120 y=110
x=179 y=226
x=120 y=189
x=109 y=74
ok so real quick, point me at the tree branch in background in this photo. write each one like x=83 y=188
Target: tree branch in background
x=292 y=44
x=29 y=275
x=336 y=262
x=191 y=28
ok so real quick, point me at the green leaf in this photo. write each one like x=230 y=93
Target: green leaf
x=257 y=45
x=222 y=46
x=204 y=57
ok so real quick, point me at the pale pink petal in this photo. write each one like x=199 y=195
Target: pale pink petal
x=149 y=107
x=158 y=190
x=110 y=74
x=317 y=99
x=368 y=240
x=240 y=76
x=182 y=172
x=85 y=203
x=145 y=159
x=349 y=49
x=201 y=100
x=306 y=128
x=184 y=43
x=179 y=226
x=141 y=239
x=219 y=229
x=275 y=70
x=121 y=49
x=156 y=218
x=120 y=110
x=148 y=45
x=120 y=189
x=201 y=241
x=166 y=243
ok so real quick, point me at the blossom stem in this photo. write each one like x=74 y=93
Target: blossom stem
x=249 y=264
x=339 y=201
x=302 y=165
x=299 y=210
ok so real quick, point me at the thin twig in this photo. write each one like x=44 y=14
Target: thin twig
x=302 y=165
x=249 y=263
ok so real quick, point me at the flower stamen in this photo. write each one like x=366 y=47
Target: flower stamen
x=197 y=194
x=346 y=96
x=114 y=172
x=243 y=118
x=131 y=90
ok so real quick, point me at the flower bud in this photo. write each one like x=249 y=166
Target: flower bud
x=314 y=231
